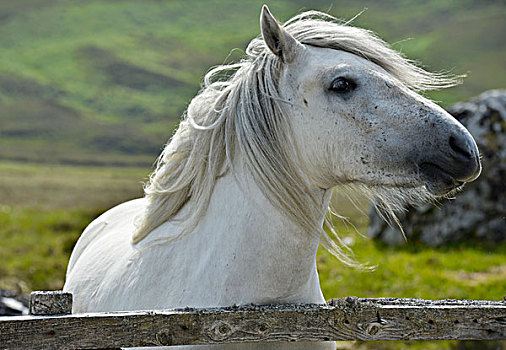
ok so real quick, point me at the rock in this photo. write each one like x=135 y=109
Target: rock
x=479 y=212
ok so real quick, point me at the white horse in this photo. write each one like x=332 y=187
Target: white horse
x=233 y=213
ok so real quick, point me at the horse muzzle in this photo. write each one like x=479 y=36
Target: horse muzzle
x=453 y=165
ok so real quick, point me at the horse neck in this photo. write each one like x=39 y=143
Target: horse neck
x=259 y=239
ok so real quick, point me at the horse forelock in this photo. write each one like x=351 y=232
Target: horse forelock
x=239 y=111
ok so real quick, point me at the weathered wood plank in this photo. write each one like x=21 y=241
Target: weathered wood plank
x=341 y=319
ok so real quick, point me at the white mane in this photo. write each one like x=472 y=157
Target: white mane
x=239 y=112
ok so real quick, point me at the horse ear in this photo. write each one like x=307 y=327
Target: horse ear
x=278 y=40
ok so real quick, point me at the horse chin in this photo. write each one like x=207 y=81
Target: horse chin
x=438 y=182
x=439 y=190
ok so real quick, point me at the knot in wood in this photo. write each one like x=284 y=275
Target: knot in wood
x=260 y=328
x=373 y=328
x=351 y=300
x=220 y=331
x=163 y=338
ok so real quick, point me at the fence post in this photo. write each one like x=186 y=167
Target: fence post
x=46 y=303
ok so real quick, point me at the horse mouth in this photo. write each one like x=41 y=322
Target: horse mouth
x=437 y=181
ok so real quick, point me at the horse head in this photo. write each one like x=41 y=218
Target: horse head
x=356 y=117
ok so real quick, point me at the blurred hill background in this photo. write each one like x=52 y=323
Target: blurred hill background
x=105 y=82
x=90 y=90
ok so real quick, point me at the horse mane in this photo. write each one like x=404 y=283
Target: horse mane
x=239 y=110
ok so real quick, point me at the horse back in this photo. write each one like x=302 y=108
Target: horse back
x=111 y=230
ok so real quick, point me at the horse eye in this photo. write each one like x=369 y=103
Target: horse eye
x=342 y=85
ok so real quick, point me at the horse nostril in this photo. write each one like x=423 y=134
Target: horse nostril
x=466 y=165
x=460 y=147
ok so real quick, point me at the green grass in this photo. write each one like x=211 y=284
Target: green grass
x=49 y=187
x=459 y=272
x=36 y=245
x=44 y=209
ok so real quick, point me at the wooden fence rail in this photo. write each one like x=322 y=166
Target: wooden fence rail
x=342 y=319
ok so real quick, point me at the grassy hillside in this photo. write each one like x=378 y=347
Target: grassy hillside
x=105 y=82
